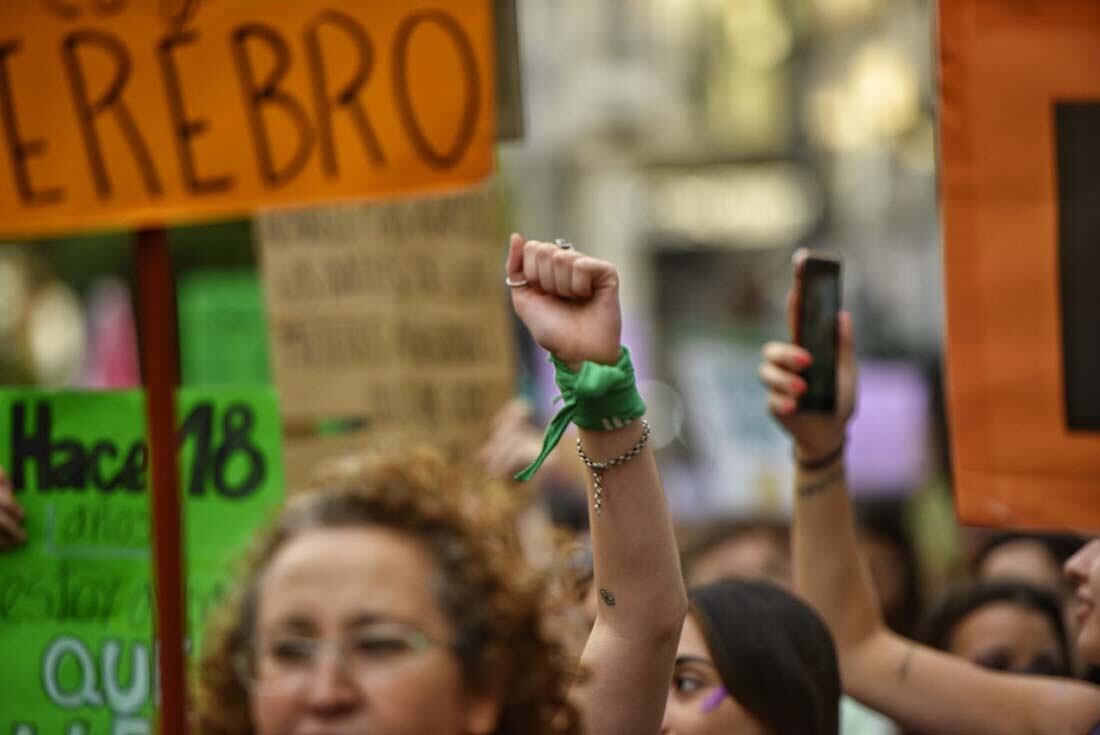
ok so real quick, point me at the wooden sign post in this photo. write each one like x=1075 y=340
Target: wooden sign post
x=160 y=373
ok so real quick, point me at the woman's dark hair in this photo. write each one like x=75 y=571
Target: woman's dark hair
x=963 y=599
x=774 y=654
x=885 y=519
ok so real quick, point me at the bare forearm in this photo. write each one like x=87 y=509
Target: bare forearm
x=637 y=567
x=829 y=569
x=569 y=303
x=629 y=656
x=923 y=689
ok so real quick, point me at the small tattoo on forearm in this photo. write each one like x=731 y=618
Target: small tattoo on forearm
x=812 y=488
x=903 y=670
x=607 y=597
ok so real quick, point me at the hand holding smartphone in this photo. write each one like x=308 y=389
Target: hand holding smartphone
x=817 y=306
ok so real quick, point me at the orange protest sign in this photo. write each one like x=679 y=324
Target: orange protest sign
x=140 y=113
x=1020 y=124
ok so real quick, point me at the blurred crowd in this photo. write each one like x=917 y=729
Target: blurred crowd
x=404 y=594
x=784 y=573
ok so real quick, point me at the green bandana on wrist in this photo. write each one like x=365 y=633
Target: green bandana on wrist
x=597 y=397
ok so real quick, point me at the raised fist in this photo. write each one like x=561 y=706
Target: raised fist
x=567 y=300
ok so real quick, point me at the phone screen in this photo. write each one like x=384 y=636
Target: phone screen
x=819 y=306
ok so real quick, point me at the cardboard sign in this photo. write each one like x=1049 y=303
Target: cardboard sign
x=1020 y=117
x=76 y=603
x=396 y=314
x=142 y=113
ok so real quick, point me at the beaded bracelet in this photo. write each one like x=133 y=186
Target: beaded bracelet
x=598 y=468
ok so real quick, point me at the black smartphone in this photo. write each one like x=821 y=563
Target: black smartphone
x=818 y=306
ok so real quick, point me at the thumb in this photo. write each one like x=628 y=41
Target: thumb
x=792 y=314
x=846 y=348
x=794 y=295
x=514 y=265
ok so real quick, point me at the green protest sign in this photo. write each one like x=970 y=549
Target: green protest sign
x=76 y=603
x=223 y=328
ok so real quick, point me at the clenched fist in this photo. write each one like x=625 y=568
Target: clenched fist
x=570 y=302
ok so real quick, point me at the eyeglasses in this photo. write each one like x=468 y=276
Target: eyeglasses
x=290 y=661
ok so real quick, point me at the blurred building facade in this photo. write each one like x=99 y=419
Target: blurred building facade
x=698 y=144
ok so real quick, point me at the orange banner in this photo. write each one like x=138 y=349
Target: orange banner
x=126 y=113
x=1020 y=125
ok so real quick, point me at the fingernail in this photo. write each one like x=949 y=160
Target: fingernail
x=800 y=385
x=805 y=359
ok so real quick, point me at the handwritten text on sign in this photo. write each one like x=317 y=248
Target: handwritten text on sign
x=76 y=602
x=121 y=113
x=391 y=312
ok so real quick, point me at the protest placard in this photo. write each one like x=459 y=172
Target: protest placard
x=222 y=328
x=137 y=114
x=394 y=314
x=76 y=602
x=1020 y=180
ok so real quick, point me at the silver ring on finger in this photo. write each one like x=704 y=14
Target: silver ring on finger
x=564 y=244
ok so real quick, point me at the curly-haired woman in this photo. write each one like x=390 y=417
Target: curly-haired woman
x=378 y=606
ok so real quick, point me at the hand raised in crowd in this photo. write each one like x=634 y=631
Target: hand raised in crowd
x=570 y=302
x=513 y=440
x=815 y=434
x=12 y=533
x=922 y=689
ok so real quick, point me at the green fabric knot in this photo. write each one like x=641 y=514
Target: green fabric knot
x=597 y=397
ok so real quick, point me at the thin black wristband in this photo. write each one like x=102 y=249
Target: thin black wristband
x=812 y=465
